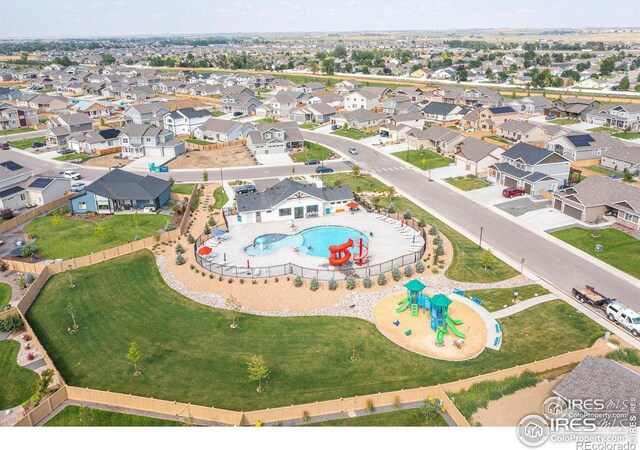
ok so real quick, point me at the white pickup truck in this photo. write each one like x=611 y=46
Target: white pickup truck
x=627 y=318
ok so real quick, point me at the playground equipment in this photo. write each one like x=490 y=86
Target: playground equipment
x=438 y=307
x=340 y=254
x=154 y=168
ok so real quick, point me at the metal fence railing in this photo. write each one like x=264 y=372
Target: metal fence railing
x=321 y=274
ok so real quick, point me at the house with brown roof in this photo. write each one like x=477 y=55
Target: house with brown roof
x=487 y=119
x=438 y=138
x=529 y=132
x=573 y=107
x=476 y=156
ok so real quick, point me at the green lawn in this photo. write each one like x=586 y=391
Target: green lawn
x=72 y=157
x=17 y=384
x=498 y=138
x=496 y=299
x=267 y=120
x=620 y=249
x=564 y=121
x=605 y=129
x=401 y=418
x=75 y=237
x=627 y=135
x=605 y=171
x=125 y=300
x=467 y=183
x=5 y=295
x=77 y=416
x=221 y=198
x=24 y=144
x=424 y=159
x=16 y=131
x=198 y=142
x=217 y=113
x=353 y=134
x=362 y=183
x=309 y=126
x=182 y=188
x=313 y=151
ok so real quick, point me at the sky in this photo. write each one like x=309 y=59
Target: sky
x=89 y=18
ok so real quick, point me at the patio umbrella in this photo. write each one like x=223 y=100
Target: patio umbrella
x=248 y=265
x=217 y=232
x=225 y=256
x=352 y=205
x=204 y=250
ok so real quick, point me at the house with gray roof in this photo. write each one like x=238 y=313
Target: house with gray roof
x=624 y=117
x=435 y=137
x=121 y=190
x=19 y=188
x=137 y=141
x=221 y=130
x=274 y=138
x=359 y=119
x=601 y=198
x=531 y=168
x=622 y=156
x=476 y=156
x=290 y=199
x=60 y=128
x=529 y=132
x=185 y=120
x=582 y=146
x=443 y=112
x=147 y=113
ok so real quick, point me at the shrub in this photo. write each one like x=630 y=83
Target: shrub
x=351 y=282
x=422 y=223
x=190 y=238
x=180 y=259
x=433 y=230
x=11 y=323
x=627 y=355
x=6 y=214
x=207 y=230
x=440 y=249
x=305 y=416
x=314 y=284
x=297 y=282
x=396 y=274
x=382 y=279
x=437 y=240
x=366 y=282
x=408 y=271
x=419 y=267
x=21 y=282
x=407 y=215
x=4 y=266
x=370 y=406
x=212 y=222
x=29 y=278
x=179 y=249
x=333 y=284
x=169 y=226
x=391 y=209
x=396 y=402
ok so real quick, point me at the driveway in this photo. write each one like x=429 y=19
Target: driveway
x=490 y=195
x=522 y=205
x=546 y=219
x=276 y=159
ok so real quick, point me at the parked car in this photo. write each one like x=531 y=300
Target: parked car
x=77 y=187
x=353 y=150
x=335 y=127
x=513 y=192
x=237 y=114
x=312 y=162
x=38 y=144
x=246 y=189
x=72 y=175
x=551 y=117
x=323 y=169
x=627 y=318
x=4 y=146
x=384 y=133
x=64 y=151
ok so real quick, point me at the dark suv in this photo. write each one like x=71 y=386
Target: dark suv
x=246 y=189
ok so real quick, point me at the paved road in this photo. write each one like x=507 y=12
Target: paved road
x=556 y=265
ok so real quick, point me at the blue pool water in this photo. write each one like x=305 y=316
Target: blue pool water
x=312 y=241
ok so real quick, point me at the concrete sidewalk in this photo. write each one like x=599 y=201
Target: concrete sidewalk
x=522 y=305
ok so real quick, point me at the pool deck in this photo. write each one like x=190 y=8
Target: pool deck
x=388 y=241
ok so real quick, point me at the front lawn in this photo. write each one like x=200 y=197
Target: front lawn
x=24 y=144
x=5 y=295
x=467 y=183
x=620 y=250
x=17 y=384
x=217 y=113
x=401 y=418
x=497 y=299
x=604 y=171
x=352 y=133
x=267 y=120
x=310 y=125
x=313 y=151
x=627 y=135
x=603 y=129
x=16 y=131
x=71 y=237
x=424 y=159
x=72 y=157
x=182 y=188
x=361 y=183
x=564 y=121
x=78 y=416
x=190 y=353
x=221 y=198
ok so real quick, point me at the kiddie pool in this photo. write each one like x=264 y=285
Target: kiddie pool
x=312 y=241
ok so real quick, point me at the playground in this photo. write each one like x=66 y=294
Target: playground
x=437 y=326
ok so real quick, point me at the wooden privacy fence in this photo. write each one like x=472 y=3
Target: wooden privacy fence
x=296 y=412
x=215 y=146
x=33 y=213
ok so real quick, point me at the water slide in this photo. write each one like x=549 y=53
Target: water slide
x=404 y=304
x=340 y=254
x=440 y=335
x=362 y=254
x=452 y=325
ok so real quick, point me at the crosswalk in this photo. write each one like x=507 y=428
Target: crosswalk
x=389 y=169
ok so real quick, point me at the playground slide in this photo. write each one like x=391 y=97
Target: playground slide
x=455 y=321
x=340 y=254
x=360 y=258
x=440 y=335
x=454 y=330
x=403 y=305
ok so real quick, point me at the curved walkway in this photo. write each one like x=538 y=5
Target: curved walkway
x=522 y=305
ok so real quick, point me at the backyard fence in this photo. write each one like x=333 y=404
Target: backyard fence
x=216 y=145
x=366 y=270
x=33 y=213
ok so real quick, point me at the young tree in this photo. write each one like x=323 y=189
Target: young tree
x=624 y=84
x=205 y=176
x=355 y=171
x=356 y=344
x=487 y=259
x=133 y=356
x=429 y=409
x=71 y=311
x=258 y=370
x=234 y=306
x=99 y=232
x=391 y=192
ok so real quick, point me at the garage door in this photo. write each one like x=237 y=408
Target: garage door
x=510 y=182
x=155 y=152
x=558 y=205
x=572 y=212
x=527 y=188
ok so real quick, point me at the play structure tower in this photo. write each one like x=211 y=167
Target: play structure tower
x=438 y=307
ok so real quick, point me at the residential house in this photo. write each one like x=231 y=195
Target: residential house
x=443 y=140
x=397 y=132
x=363 y=98
x=344 y=87
x=14 y=117
x=239 y=104
x=312 y=87
x=94 y=109
x=282 y=84
x=622 y=156
x=360 y=119
x=7 y=93
x=482 y=97
x=624 y=117
x=596 y=198
x=274 y=138
x=528 y=105
x=120 y=190
x=43 y=101
x=443 y=112
x=289 y=199
x=95 y=142
x=415 y=93
x=446 y=94
x=185 y=120
x=146 y=113
x=487 y=119
x=414 y=120
x=147 y=140
x=572 y=107
x=20 y=189
x=61 y=127
x=399 y=105
x=582 y=146
x=476 y=156
x=316 y=112
x=221 y=130
x=531 y=168
x=529 y=132
x=278 y=104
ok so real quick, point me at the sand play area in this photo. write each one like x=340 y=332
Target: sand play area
x=422 y=339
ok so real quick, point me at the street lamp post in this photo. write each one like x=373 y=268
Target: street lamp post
x=521 y=265
x=480 y=242
x=515 y=296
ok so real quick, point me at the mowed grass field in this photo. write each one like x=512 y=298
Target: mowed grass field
x=190 y=354
x=76 y=237
x=620 y=250
x=401 y=418
x=17 y=384
x=424 y=159
x=77 y=416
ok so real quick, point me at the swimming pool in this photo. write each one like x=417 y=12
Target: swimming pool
x=312 y=241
